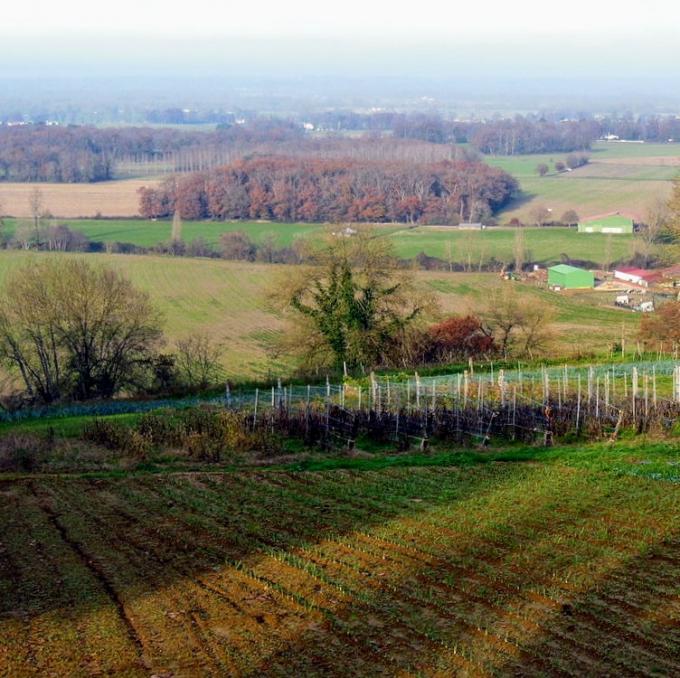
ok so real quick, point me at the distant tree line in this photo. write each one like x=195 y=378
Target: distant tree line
x=313 y=190
x=78 y=154
x=83 y=154
x=521 y=134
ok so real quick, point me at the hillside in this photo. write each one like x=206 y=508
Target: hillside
x=228 y=302
x=620 y=177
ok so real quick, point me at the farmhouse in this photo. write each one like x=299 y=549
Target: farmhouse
x=567 y=277
x=613 y=223
x=637 y=276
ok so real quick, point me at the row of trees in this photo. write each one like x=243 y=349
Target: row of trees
x=296 y=189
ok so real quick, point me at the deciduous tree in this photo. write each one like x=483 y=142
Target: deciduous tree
x=73 y=330
x=352 y=305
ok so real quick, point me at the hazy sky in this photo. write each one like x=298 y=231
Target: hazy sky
x=383 y=38
x=348 y=17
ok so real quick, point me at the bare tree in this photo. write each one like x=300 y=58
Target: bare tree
x=198 y=363
x=519 y=325
x=541 y=215
x=607 y=255
x=70 y=329
x=570 y=218
x=176 y=234
x=657 y=221
x=519 y=249
x=37 y=207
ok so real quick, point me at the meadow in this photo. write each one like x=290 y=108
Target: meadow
x=536 y=562
x=228 y=301
x=620 y=177
x=544 y=245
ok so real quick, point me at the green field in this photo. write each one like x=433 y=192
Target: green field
x=566 y=563
x=148 y=233
x=544 y=245
x=228 y=302
x=623 y=178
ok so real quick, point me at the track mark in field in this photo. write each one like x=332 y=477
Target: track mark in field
x=96 y=572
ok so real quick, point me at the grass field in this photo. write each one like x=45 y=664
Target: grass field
x=567 y=564
x=228 y=302
x=148 y=233
x=620 y=177
x=544 y=245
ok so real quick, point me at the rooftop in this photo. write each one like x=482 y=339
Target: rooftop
x=639 y=272
x=565 y=268
x=608 y=220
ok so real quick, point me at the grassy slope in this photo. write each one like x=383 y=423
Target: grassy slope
x=620 y=177
x=544 y=245
x=228 y=301
x=437 y=568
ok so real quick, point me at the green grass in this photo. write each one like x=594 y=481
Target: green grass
x=624 y=178
x=228 y=301
x=147 y=233
x=544 y=245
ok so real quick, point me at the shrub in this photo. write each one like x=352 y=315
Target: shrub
x=203 y=447
x=114 y=436
x=22 y=453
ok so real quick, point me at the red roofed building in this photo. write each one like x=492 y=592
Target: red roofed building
x=637 y=276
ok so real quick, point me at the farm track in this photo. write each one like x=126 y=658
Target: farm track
x=497 y=570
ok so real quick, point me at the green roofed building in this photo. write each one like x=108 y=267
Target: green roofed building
x=570 y=277
x=614 y=223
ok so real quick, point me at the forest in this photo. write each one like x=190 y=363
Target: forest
x=316 y=190
x=83 y=154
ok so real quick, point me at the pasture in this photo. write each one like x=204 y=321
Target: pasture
x=470 y=248
x=228 y=301
x=564 y=564
x=624 y=178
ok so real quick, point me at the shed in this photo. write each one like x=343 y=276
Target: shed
x=613 y=223
x=570 y=278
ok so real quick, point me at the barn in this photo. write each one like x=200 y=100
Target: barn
x=570 y=278
x=637 y=276
x=613 y=223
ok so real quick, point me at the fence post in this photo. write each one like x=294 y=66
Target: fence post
x=578 y=401
x=257 y=398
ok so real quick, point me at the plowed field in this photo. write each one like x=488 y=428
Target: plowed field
x=498 y=569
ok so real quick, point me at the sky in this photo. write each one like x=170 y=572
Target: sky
x=439 y=18
x=603 y=41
